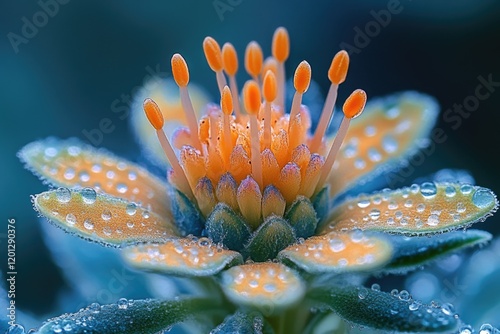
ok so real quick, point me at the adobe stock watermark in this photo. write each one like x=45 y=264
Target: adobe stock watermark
x=381 y=19
x=453 y=117
x=30 y=27
x=223 y=6
x=11 y=270
x=121 y=107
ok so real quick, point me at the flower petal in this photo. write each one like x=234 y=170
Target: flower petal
x=166 y=94
x=102 y=218
x=416 y=210
x=389 y=132
x=338 y=252
x=70 y=163
x=267 y=285
x=185 y=257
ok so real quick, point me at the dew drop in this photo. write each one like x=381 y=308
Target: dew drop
x=121 y=188
x=420 y=208
x=336 y=245
x=88 y=224
x=409 y=203
x=350 y=150
x=95 y=307
x=460 y=207
x=131 y=209
x=374 y=155
x=395 y=292
x=110 y=174
x=74 y=151
x=89 y=195
x=389 y=144
x=483 y=198
x=465 y=330
x=392 y=205
x=375 y=287
x=413 y=306
x=96 y=168
x=450 y=191
x=15 y=329
x=486 y=329
x=132 y=175
x=374 y=214
x=428 y=190
x=448 y=309
x=270 y=287
x=362 y=293
x=70 y=219
x=106 y=214
x=69 y=174
x=433 y=220
x=84 y=176
x=404 y=295
x=363 y=203
x=370 y=131
x=145 y=214
x=63 y=195
x=50 y=152
x=122 y=303
x=466 y=189
x=130 y=224
x=359 y=163
x=107 y=231
x=56 y=328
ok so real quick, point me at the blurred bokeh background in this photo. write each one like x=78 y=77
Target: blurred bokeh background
x=63 y=77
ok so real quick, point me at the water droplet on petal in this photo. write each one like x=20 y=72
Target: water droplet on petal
x=374 y=155
x=88 y=224
x=363 y=203
x=433 y=220
x=106 y=214
x=483 y=198
x=450 y=191
x=69 y=173
x=131 y=209
x=121 y=188
x=63 y=195
x=89 y=195
x=389 y=144
x=466 y=189
x=428 y=190
x=70 y=219
x=336 y=245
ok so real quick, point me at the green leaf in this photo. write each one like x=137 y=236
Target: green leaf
x=412 y=252
x=381 y=310
x=226 y=227
x=302 y=217
x=132 y=316
x=271 y=237
x=243 y=323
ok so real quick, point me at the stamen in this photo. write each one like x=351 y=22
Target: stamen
x=280 y=51
x=230 y=61
x=253 y=60
x=214 y=59
x=301 y=81
x=252 y=102
x=226 y=103
x=155 y=117
x=352 y=108
x=270 y=91
x=180 y=72
x=337 y=74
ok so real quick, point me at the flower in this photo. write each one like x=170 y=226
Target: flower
x=256 y=202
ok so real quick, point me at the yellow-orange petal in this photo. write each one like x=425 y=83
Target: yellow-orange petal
x=226 y=101
x=184 y=257
x=70 y=163
x=213 y=54
x=339 y=252
x=251 y=97
x=269 y=86
x=102 y=218
x=355 y=103
x=281 y=44
x=268 y=285
x=417 y=210
x=302 y=77
x=180 y=70
x=338 y=69
x=230 y=59
x=153 y=114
